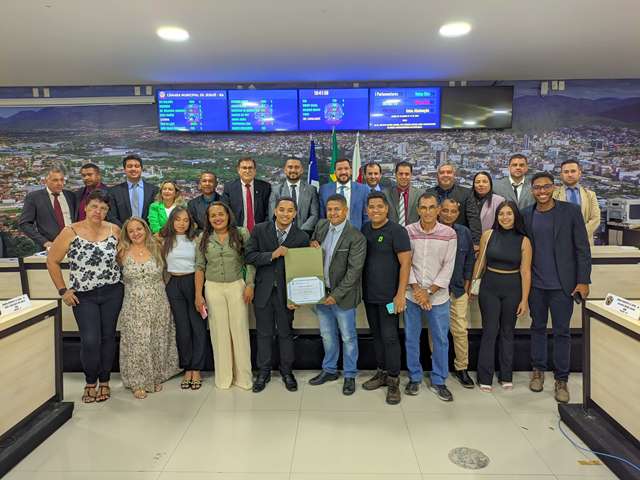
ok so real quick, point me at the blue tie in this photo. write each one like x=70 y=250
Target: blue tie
x=573 y=195
x=341 y=192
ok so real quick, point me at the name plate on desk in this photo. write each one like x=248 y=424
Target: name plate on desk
x=15 y=304
x=623 y=306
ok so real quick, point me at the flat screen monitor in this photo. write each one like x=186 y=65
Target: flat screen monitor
x=263 y=110
x=329 y=108
x=404 y=108
x=477 y=107
x=192 y=110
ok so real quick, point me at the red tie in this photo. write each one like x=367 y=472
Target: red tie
x=250 y=220
x=57 y=211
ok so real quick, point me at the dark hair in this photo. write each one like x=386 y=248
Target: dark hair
x=542 y=175
x=235 y=240
x=336 y=197
x=375 y=195
x=168 y=231
x=516 y=156
x=567 y=162
x=131 y=156
x=372 y=164
x=286 y=198
x=340 y=160
x=90 y=165
x=99 y=195
x=404 y=164
x=292 y=158
x=488 y=196
x=518 y=221
x=246 y=159
x=427 y=195
x=208 y=173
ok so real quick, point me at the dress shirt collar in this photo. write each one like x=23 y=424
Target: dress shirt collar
x=286 y=232
x=130 y=184
x=338 y=228
x=435 y=227
x=347 y=186
x=50 y=192
x=244 y=184
x=514 y=183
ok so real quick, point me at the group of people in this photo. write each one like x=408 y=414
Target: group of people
x=141 y=258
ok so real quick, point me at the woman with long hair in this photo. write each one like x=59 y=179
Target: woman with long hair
x=228 y=285
x=94 y=292
x=178 y=247
x=505 y=258
x=169 y=197
x=148 y=354
x=486 y=200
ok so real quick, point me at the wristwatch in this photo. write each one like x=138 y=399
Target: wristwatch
x=62 y=291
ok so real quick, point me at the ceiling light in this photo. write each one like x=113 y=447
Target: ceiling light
x=470 y=122
x=173 y=34
x=455 y=29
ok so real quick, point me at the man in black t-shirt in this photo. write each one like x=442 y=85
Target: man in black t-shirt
x=384 y=282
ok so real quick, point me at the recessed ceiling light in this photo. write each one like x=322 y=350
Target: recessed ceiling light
x=173 y=34
x=455 y=29
x=470 y=122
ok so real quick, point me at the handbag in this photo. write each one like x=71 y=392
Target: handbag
x=475 y=283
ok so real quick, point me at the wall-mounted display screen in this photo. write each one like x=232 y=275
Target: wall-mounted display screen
x=477 y=107
x=263 y=110
x=339 y=108
x=192 y=110
x=404 y=108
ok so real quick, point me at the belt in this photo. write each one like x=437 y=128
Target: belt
x=496 y=270
x=180 y=274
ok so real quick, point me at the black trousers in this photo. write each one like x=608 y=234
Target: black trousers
x=386 y=341
x=191 y=329
x=500 y=294
x=274 y=315
x=97 y=316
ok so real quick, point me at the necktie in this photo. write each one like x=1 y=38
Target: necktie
x=515 y=190
x=341 y=192
x=135 y=201
x=573 y=195
x=401 y=210
x=249 y=201
x=281 y=234
x=294 y=195
x=57 y=211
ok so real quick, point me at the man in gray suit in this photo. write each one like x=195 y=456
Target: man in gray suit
x=305 y=195
x=46 y=212
x=344 y=249
x=516 y=187
x=403 y=197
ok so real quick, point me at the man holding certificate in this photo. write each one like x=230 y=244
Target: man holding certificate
x=266 y=249
x=344 y=249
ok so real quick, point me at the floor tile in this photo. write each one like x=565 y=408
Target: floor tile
x=354 y=476
x=222 y=476
x=237 y=441
x=22 y=475
x=353 y=442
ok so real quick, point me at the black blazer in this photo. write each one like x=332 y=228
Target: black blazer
x=233 y=196
x=572 y=251
x=270 y=274
x=37 y=219
x=198 y=210
x=120 y=204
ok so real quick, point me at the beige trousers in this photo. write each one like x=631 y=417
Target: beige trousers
x=229 y=329
x=458 y=328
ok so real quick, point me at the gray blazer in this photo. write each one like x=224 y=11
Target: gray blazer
x=308 y=204
x=347 y=262
x=504 y=188
x=393 y=197
x=37 y=219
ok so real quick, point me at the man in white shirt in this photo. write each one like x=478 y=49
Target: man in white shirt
x=373 y=176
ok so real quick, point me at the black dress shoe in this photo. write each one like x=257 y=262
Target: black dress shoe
x=463 y=377
x=290 y=382
x=323 y=377
x=349 y=386
x=260 y=382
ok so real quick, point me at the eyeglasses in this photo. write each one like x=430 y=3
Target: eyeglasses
x=546 y=187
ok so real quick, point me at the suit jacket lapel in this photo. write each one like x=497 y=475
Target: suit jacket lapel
x=47 y=201
x=556 y=223
x=584 y=202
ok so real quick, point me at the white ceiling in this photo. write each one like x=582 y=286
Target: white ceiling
x=108 y=42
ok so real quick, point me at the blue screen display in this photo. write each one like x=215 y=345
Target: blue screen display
x=326 y=108
x=192 y=110
x=404 y=108
x=263 y=110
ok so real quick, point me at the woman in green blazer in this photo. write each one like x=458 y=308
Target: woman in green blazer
x=169 y=196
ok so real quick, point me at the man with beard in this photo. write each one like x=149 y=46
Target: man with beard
x=355 y=193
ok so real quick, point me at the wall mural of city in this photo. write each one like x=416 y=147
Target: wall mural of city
x=594 y=121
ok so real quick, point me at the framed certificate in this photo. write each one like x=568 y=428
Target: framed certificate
x=304 y=276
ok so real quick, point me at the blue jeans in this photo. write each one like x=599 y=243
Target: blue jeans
x=438 y=321
x=334 y=320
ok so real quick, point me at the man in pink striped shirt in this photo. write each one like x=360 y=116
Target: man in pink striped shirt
x=433 y=246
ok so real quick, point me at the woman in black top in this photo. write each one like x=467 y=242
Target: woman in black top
x=504 y=292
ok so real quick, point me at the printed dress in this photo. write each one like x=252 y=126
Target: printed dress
x=148 y=353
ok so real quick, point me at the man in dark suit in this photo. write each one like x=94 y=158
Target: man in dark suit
x=344 y=249
x=305 y=195
x=46 y=212
x=247 y=197
x=561 y=268
x=266 y=249
x=516 y=186
x=133 y=197
x=355 y=193
x=403 y=197
x=92 y=179
x=198 y=206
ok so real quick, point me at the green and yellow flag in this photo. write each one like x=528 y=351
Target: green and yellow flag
x=335 y=153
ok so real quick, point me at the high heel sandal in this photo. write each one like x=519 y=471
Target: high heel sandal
x=87 y=397
x=104 y=393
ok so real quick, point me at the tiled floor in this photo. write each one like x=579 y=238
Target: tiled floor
x=313 y=434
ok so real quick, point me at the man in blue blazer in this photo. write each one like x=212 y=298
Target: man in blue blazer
x=133 y=197
x=561 y=271
x=355 y=193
